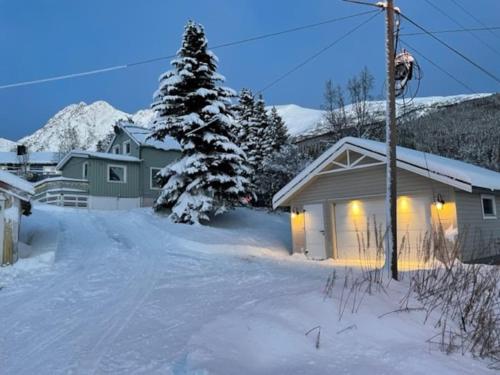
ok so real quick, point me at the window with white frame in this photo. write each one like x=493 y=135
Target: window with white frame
x=489 y=206
x=126 y=148
x=153 y=181
x=117 y=173
x=85 y=170
x=116 y=149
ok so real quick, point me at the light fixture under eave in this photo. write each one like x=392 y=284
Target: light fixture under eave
x=439 y=202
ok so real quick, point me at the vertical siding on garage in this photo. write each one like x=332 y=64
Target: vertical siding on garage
x=298 y=230
x=98 y=179
x=482 y=236
x=356 y=184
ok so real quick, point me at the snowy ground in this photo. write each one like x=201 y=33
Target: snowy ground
x=130 y=293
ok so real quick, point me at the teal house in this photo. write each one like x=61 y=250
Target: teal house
x=121 y=178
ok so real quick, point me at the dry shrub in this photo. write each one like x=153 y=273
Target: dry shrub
x=466 y=298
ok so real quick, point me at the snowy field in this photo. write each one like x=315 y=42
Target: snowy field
x=130 y=293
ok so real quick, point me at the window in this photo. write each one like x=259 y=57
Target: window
x=85 y=172
x=116 y=149
x=489 y=206
x=153 y=182
x=126 y=148
x=117 y=173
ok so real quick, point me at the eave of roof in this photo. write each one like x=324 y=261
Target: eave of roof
x=96 y=155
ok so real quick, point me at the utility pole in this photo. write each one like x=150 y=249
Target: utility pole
x=391 y=252
x=391 y=234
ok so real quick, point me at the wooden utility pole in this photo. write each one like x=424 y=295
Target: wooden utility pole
x=391 y=251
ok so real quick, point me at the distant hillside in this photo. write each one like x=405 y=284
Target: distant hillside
x=469 y=131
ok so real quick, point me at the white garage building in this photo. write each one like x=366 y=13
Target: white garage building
x=338 y=204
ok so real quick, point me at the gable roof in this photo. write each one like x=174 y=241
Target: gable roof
x=42 y=157
x=96 y=155
x=456 y=173
x=16 y=186
x=141 y=136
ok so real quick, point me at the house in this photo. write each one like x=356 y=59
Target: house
x=121 y=178
x=15 y=194
x=33 y=165
x=338 y=204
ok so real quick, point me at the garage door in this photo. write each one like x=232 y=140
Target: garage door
x=360 y=226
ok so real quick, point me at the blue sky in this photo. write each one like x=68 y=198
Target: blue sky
x=41 y=38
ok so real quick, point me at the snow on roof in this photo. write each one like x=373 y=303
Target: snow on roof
x=42 y=157
x=97 y=155
x=141 y=136
x=16 y=182
x=452 y=172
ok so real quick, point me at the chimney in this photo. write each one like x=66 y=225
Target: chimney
x=21 y=150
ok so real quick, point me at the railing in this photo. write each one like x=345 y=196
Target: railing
x=62 y=191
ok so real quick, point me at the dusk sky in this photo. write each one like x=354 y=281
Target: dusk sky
x=44 y=38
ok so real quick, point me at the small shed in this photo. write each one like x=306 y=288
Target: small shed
x=15 y=195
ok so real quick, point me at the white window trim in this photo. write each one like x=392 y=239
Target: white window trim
x=124 y=173
x=151 y=178
x=86 y=164
x=125 y=147
x=492 y=197
x=116 y=147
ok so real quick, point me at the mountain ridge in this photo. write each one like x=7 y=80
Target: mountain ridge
x=92 y=122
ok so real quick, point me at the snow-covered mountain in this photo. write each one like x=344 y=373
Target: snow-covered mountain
x=90 y=122
x=6 y=145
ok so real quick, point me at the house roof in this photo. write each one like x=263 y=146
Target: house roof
x=141 y=136
x=44 y=157
x=15 y=185
x=96 y=155
x=452 y=172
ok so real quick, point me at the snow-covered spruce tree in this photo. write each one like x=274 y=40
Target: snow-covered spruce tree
x=278 y=132
x=264 y=136
x=247 y=126
x=210 y=177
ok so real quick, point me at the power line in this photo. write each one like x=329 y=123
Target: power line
x=297 y=67
x=440 y=10
x=487 y=28
x=437 y=66
x=317 y=54
x=454 y=50
x=160 y=58
x=466 y=11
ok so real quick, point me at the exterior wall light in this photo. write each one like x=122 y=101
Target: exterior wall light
x=439 y=202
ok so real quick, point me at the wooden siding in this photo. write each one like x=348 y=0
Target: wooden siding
x=154 y=158
x=98 y=179
x=482 y=236
x=122 y=137
x=364 y=182
x=74 y=168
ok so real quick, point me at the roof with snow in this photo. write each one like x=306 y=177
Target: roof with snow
x=96 y=155
x=456 y=173
x=45 y=158
x=15 y=185
x=141 y=136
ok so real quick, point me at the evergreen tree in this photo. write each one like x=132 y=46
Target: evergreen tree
x=277 y=130
x=193 y=107
x=247 y=126
x=263 y=134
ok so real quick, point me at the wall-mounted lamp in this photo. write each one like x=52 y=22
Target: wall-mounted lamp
x=439 y=202
x=296 y=212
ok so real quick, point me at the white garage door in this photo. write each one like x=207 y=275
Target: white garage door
x=314 y=231
x=360 y=226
